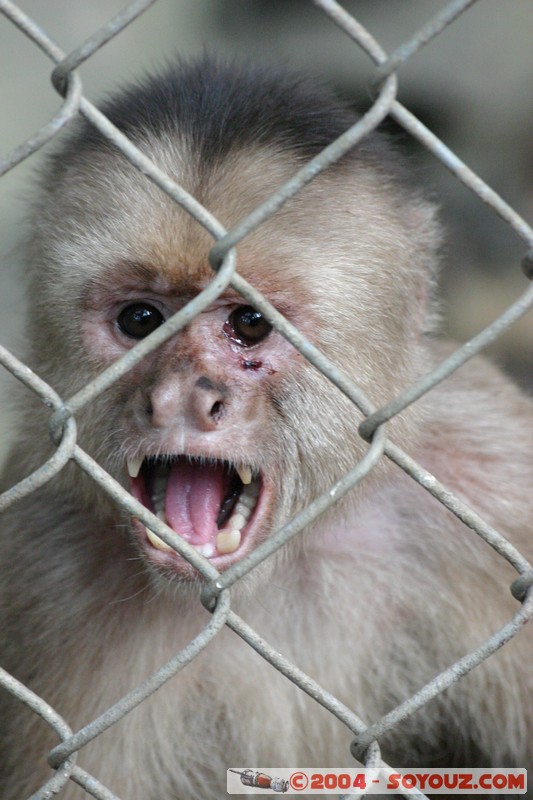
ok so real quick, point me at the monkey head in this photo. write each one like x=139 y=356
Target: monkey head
x=226 y=430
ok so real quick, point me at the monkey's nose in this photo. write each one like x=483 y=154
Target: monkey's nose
x=200 y=406
x=207 y=403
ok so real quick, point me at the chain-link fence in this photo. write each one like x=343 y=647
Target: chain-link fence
x=216 y=594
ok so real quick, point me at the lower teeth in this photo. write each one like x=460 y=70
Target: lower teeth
x=158 y=543
x=226 y=542
x=207 y=550
x=228 y=539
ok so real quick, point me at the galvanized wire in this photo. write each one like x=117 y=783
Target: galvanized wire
x=216 y=595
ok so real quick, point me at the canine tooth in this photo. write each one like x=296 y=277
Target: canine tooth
x=158 y=543
x=134 y=466
x=228 y=541
x=160 y=514
x=245 y=474
x=236 y=522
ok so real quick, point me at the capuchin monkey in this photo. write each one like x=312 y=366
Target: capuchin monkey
x=226 y=431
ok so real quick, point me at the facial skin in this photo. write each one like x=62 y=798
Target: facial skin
x=225 y=431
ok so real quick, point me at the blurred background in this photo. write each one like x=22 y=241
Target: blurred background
x=473 y=85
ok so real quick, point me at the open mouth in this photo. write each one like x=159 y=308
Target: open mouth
x=209 y=502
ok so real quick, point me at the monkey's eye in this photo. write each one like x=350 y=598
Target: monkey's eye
x=247 y=325
x=139 y=319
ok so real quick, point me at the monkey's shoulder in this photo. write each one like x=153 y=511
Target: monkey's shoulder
x=478 y=440
x=482 y=407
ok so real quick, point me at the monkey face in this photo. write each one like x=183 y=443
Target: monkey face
x=225 y=431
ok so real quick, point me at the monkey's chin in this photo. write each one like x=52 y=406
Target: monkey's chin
x=217 y=507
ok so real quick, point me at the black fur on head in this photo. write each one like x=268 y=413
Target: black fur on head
x=224 y=106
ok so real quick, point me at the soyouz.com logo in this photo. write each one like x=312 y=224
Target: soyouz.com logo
x=272 y=780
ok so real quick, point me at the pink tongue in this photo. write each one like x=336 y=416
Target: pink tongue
x=193 y=500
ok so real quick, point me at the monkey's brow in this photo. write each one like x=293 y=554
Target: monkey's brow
x=125 y=278
x=115 y=287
